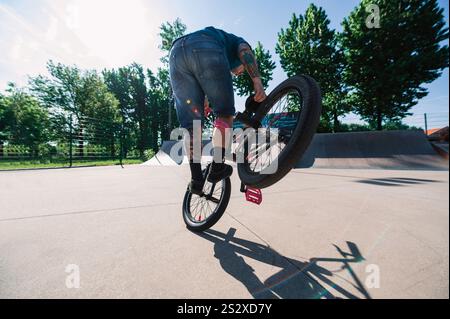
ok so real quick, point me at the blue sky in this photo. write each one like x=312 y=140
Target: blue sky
x=112 y=33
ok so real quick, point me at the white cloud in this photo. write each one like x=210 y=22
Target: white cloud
x=73 y=17
x=52 y=30
x=116 y=32
x=93 y=34
x=16 y=49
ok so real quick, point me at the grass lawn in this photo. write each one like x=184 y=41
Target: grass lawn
x=14 y=165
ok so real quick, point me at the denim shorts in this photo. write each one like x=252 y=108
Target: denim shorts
x=199 y=67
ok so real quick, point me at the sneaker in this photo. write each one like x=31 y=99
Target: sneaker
x=219 y=173
x=196 y=187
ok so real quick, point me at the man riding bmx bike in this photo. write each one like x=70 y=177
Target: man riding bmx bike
x=201 y=65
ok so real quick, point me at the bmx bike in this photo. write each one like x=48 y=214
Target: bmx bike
x=293 y=110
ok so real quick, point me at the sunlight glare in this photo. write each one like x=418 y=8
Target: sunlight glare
x=112 y=30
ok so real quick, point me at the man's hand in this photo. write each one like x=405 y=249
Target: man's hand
x=260 y=94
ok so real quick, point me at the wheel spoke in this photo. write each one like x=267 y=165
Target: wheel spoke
x=197 y=202
x=211 y=211
x=215 y=200
x=201 y=208
x=263 y=155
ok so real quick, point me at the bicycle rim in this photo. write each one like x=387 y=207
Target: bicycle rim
x=201 y=209
x=264 y=150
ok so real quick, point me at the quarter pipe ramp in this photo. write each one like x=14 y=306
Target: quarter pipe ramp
x=379 y=150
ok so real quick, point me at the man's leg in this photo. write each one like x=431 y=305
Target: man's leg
x=221 y=140
x=193 y=146
x=215 y=79
x=189 y=100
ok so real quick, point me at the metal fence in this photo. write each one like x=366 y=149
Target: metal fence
x=93 y=139
x=76 y=141
x=427 y=122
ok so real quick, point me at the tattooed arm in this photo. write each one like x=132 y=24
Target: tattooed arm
x=248 y=60
x=251 y=66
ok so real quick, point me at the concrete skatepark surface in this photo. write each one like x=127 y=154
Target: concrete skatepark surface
x=320 y=233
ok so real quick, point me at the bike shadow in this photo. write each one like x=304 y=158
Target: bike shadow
x=295 y=280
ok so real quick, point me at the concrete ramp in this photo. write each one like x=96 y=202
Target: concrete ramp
x=171 y=154
x=163 y=158
x=379 y=150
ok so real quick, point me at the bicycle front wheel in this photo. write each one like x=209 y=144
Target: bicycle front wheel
x=202 y=212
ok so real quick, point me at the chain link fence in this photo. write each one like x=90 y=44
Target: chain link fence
x=74 y=142
x=427 y=122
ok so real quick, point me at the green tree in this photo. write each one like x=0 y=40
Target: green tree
x=62 y=91
x=162 y=108
x=6 y=121
x=139 y=108
x=309 y=46
x=155 y=96
x=140 y=99
x=118 y=82
x=386 y=67
x=69 y=92
x=23 y=120
x=101 y=109
x=244 y=83
x=169 y=32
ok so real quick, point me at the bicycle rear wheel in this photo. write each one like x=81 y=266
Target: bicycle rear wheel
x=289 y=118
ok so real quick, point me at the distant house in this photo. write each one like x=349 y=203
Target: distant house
x=438 y=134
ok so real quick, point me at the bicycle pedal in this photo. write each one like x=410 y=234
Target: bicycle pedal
x=253 y=195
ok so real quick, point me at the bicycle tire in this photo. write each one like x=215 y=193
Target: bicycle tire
x=306 y=127
x=200 y=226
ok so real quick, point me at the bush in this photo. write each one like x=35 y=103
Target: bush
x=46 y=150
x=399 y=126
x=354 y=128
x=133 y=154
x=148 y=155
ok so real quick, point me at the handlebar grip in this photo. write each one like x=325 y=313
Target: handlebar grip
x=251 y=105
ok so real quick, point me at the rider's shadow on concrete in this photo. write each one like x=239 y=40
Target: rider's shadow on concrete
x=294 y=280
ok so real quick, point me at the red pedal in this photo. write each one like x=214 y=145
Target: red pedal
x=253 y=195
